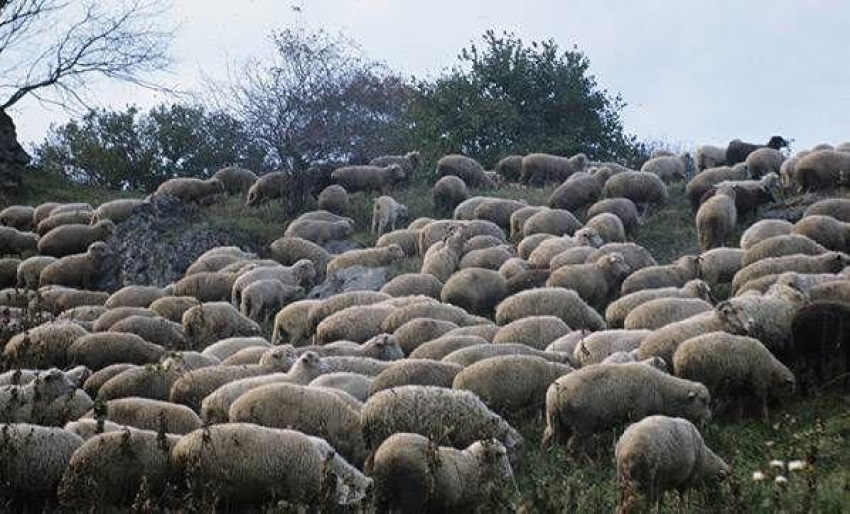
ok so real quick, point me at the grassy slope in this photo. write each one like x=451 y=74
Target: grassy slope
x=815 y=429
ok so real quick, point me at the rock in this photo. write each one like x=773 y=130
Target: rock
x=355 y=278
x=13 y=158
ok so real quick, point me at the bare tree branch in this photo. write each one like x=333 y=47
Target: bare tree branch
x=70 y=42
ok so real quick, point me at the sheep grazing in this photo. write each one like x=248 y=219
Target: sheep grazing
x=670 y=168
x=385 y=213
x=19 y=217
x=526 y=391
x=498 y=211
x=709 y=156
x=623 y=208
x=212 y=321
x=838 y=208
x=467 y=169
x=99 y=350
x=14 y=242
x=699 y=185
x=236 y=180
x=267 y=187
x=79 y=270
x=448 y=193
x=369 y=178
x=738 y=151
x=557 y=222
x=660 y=453
x=643 y=189
x=333 y=198
x=510 y=168
x=533 y=331
x=429 y=411
x=248 y=463
x=830 y=262
x=577 y=192
x=764 y=229
x=475 y=290
x=826 y=230
x=764 y=161
x=64 y=218
x=411 y=474
x=263 y=298
x=596 y=347
x=716 y=218
x=538 y=169
x=191 y=190
x=735 y=369
x=34 y=458
x=780 y=246
x=663 y=311
x=597 y=398
x=595 y=283
x=749 y=194
x=27 y=403
x=409 y=162
x=685 y=269
x=550 y=301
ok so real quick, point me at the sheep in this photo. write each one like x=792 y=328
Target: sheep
x=830 y=262
x=99 y=350
x=738 y=151
x=368 y=257
x=320 y=232
x=246 y=462
x=764 y=161
x=289 y=250
x=596 y=347
x=538 y=168
x=826 y=230
x=805 y=282
x=573 y=256
x=28 y=270
x=664 y=341
x=577 y=192
x=409 y=161
x=443 y=258
x=336 y=303
x=267 y=187
x=415 y=372
x=211 y=321
x=150 y=381
x=762 y=230
x=77 y=375
x=510 y=168
x=838 y=208
x=734 y=368
x=520 y=216
x=476 y=290
x=608 y=226
x=437 y=231
x=617 y=311
x=358 y=324
x=636 y=256
x=172 y=308
x=552 y=301
x=838 y=291
x=482 y=242
x=112 y=316
x=9 y=272
x=699 y=185
x=749 y=194
x=780 y=246
x=597 y=398
x=262 y=298
x=821 y=343
x=566 y=344
x=380 y=179
x=546 y=250
x=19 y=217
x=448 y=193
x=602 y=171
x=56 y=299
x=43 y=346
x=412 y=474
x=224 y=348
x=719 y=265
x=490 y=258
x=686 y=268
x=120 y=210
x=410 y=284
x=134 y=296
x=14 y=242
x=34 y=458
x=27 y=403
x=88 y=427
x=709 y=156
x=407 y=239
x=456 y=418
x=716 y=218
x=301 y=273
x=64 y=218
x=669 y=168
x=42 y=211
x=659 y=453
x=526 y=391
x=528 y=244
x=485 y=331
x=663 y=311
x=557 y=222
x=78 y=270
x=643 y=189
x=533 y=331
x=164 y=332
x=385 y=213
x=428 y=310
x=595 y=283
x=467 y=169
x=513 y=267
x=311 y=410
x=110 y=468
x=498 y=211
x=352 y=383
x=190 y=189
x=438 y=348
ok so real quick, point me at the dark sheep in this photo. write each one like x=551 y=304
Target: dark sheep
x=737 y=150
x=821 y=344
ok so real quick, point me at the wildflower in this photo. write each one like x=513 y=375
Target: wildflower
x=796 y=465
x=781 y=480
x=778 y=464
x=758 y=476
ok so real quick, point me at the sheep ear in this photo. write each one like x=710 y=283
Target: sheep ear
x=692 y=395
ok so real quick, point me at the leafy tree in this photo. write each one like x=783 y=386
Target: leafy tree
x=134 y=150
x=507 y=97
x=318 y=99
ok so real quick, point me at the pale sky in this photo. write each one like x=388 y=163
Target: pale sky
x=691 y=71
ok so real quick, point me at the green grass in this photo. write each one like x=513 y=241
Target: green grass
x=39 y=187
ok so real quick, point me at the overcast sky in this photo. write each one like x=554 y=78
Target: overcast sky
x=691 y=71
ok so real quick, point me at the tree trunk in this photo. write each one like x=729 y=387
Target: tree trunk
x=13 y=158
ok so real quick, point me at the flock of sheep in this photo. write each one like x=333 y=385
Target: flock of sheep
x=400 y=398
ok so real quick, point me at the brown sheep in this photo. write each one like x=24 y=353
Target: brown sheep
x=369 y=178
x=537 y=169
x=466 y=168
x=716 y=218
x=333 y=198
x=623 y=208
x=75 y=238
x=80 y=270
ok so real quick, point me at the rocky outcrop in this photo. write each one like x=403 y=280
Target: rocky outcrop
x=13 y=158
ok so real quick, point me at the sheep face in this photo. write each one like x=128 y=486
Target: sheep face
x=494 y=457
x=385 y=348
x=777 y=142
x=740 y=323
